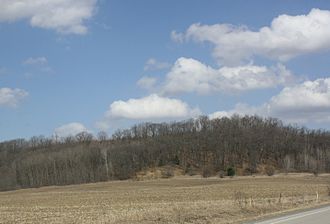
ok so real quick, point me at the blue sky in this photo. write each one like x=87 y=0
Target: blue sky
x=88 y=65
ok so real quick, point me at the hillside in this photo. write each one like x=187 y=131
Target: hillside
x=249 y=144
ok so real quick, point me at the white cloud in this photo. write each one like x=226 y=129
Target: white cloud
x=64 y=16
x=152 y=65
x=70 y=129
x=220 y=114
x=190 y=75
x=36 y=61
x=241 y=109
x=11 y=97
x=286 y=37
x=306 y=102
x=150 y=107
x=147 y=82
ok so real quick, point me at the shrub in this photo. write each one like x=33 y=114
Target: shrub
x=270 y=170
x=231 y=171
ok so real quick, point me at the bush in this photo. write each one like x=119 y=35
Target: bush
x=270 y=170
x=222 y=174
x=231 y=171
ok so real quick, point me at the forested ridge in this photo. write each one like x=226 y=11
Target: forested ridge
x=247 y=143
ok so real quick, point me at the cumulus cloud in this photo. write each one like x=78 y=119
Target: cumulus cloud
x=286 y=37
x=11 y=97
x=190 y=75
x=150 y=107
x=305 y=102
x=153 y=64
x=70 y=129
x=64 y=16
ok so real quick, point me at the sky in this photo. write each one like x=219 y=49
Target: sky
x=68 y=66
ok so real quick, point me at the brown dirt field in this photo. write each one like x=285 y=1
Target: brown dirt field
x=175 y=200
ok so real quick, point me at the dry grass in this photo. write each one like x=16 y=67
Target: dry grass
x=175 y=200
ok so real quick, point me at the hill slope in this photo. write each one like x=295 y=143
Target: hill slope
x=249 y=144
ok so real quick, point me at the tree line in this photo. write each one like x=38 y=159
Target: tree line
x=248 y=143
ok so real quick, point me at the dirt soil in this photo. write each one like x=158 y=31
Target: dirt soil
x=182 y=199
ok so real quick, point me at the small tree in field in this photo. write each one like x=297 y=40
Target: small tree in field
x=231 y=172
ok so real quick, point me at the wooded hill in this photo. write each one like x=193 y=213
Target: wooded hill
x=247 y=143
